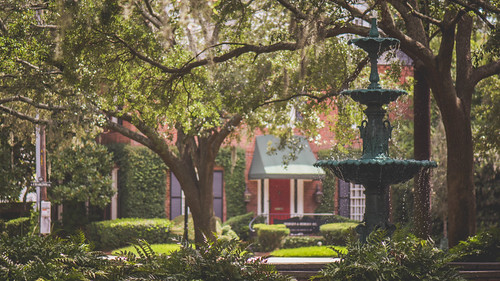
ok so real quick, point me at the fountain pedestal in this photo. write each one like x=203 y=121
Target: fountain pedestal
x=376 y=171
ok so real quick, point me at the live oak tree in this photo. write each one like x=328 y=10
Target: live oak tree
x=187 y=75
x=200 y=69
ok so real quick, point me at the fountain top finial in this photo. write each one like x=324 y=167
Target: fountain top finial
x=374 y=29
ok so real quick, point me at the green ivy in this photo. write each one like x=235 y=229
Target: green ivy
x=141 y=181
x=329 y=185
x=234 y=179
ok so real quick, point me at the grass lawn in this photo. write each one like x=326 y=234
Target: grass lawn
x=314 y=251
x=158 y=248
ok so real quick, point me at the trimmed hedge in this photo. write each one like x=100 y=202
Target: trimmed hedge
x=16 y=227
x=271 y=237
x=302 y=241
x=338 y=233
x=112 y=234
x=239 y=224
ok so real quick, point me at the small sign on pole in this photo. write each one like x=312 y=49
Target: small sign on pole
x=45 y=217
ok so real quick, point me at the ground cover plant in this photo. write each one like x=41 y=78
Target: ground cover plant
x=312 y=251
x=482 y=247
x=403 y=257
x=35 y=258
x=157 y=248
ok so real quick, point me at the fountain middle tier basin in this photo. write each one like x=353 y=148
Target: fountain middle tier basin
x=374 y=96
x=383 y=171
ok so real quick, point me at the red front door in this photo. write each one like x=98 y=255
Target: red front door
x=279 y=199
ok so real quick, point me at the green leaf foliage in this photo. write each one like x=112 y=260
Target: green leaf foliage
x=141 y=181
x=112 y=234
x=81 y=173
x=16 y=227
x=271 y=236
x=33 y=258
x=339 y=233
x=233 y=161
x=240 y=225
x=482 y=247
x=403 y=257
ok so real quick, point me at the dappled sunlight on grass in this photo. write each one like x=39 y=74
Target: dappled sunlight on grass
x=313 y=251
x=158 y=248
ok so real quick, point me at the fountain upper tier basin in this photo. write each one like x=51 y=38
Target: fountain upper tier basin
x=374 y=96
x=380 y=171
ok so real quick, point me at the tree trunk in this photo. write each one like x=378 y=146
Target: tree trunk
x=460 y=171
x=422 y=151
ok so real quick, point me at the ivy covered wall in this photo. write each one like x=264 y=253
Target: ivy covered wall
x=142 y=178
x=233 y=161
x=141 y=181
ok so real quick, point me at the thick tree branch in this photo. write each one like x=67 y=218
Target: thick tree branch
x=298 y=14
x=128 y=133
x=419 y=15
x=463 y=57
x=486 y=5
x=148 y=15
x=228 y=127
x=485 y=71
x=474 y=9
x=32 y=103
x=23 y=116
x=445 y=54
x=3 y=28
x=413 y=48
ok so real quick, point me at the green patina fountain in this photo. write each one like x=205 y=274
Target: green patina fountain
x=376 y=171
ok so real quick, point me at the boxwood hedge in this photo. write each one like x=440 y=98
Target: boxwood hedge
x=112 y=234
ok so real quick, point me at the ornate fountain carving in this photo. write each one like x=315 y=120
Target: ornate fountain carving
x=376 y=171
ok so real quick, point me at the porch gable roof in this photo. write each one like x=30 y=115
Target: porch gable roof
x=270 y=165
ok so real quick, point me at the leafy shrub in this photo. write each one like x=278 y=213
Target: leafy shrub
x=385 y=259
x=302 y=241
x=49 y=258
x=483 y=247
x=240 y=225
x=338 y=233
x=33 y=257
x=113 y=234
x=16 y=227
x=214 y=261
x=271 y=237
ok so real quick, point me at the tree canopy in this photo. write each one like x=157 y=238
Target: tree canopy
x=187 y=74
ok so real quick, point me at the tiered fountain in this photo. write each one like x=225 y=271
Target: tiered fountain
x=376 y=171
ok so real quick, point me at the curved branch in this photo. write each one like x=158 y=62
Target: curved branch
x=422 y=16
x=128 y=133
x=23 y=116
x=298 y=14
x=330 y=93
x=485 y=71
x=32 y=103
x=468 y=7
x=412 y=47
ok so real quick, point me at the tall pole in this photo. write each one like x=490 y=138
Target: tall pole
x=43 y=205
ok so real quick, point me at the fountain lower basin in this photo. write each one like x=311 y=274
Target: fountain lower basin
x=384 y=171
